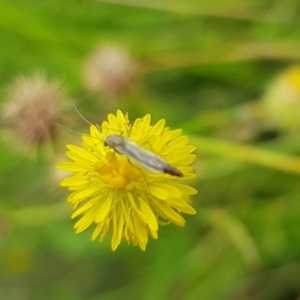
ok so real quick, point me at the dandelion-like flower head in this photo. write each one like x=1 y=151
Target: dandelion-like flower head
x=116 y=194
x=33 y=106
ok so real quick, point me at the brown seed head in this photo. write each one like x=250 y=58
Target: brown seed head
x=110 y=71
x=33 y=107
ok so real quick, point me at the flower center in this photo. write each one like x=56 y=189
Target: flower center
x=119 y=173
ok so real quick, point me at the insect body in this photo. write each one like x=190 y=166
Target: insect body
x=144 y=157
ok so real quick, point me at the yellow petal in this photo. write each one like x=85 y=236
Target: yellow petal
x=83 y=194
x=173 y=191
x=150 y=217
x=186 y=189
x=104 y=209
x=72 y=167
x=82 y=209
x=74 y=181
x=82 y=153
x=169 y=213
x=97 y=230
x=83 y=223
x=158 y=127
x=159 y=192
x=179 y=142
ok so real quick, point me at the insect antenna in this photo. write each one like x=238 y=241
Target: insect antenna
x=80 y=114
x=67 y=128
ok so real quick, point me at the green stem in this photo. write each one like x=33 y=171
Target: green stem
x=246 y=154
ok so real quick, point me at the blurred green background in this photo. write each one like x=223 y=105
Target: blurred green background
x=204 y=66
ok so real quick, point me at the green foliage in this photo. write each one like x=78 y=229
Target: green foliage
x=204 y=66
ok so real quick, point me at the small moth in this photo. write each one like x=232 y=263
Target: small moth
x=146 y=158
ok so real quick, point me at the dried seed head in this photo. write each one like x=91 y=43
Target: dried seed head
x=282 y=100
x=110 y=71
x=33 y=107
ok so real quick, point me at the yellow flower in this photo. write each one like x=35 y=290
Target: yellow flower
x=282 y=100
x=112 y=192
